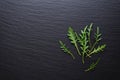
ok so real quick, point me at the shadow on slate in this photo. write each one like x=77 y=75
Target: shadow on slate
x=29 y=34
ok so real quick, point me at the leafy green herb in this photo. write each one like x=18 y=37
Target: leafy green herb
x=97 y=38
x=93 y=65
x=98 y=49
x=82 y=39
x=83 y=44
x=73 y=38
x=65 y=49
x=89 y=34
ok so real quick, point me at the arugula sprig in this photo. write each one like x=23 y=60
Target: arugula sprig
x=93 y=49
x=65 y=49
x=72 y=36
x=83 y=39
x=96 y=50
x=92 y=65
x=89 y=34
x=97 y=38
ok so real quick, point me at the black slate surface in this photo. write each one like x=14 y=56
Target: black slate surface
x=29 y=34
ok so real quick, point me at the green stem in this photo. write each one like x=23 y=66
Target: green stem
x=89 y=35
x=83 y=59
x=92 y=48
x=77 y=49
x=72 y=55
x=89 y=41
x=89 y=54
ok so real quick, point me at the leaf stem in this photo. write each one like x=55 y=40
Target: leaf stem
x=89 y=41
x=72 y=55
x=89 y=35
x=92 y=48
x=83 y=59
x=77 y=49
x=93 y=65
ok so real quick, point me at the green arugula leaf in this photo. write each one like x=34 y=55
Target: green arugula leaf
x=97 y=39
x=65 y=49
x=73 y=38
x=98 y=49
x=98 y=35
x=93 y=65
x=89 y=34
x=83 y=40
